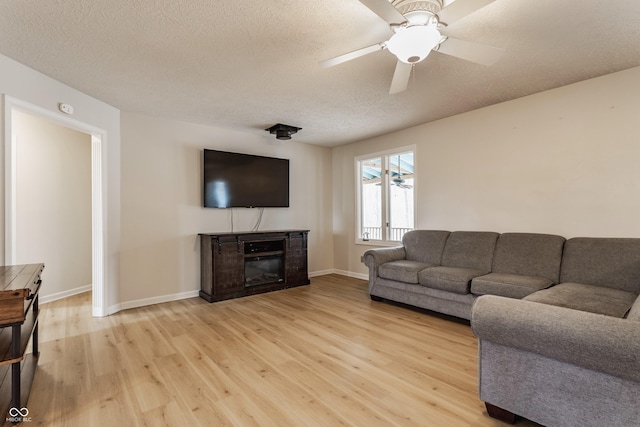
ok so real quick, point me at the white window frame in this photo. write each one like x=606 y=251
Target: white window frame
x=385 y=155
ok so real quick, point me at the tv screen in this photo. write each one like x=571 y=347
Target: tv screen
x=233 y=180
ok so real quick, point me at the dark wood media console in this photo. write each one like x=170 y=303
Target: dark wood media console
x=234 y=265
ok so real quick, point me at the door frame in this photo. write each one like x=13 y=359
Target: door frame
x=98 y=192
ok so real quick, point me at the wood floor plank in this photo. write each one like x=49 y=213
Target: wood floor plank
x=319 y=355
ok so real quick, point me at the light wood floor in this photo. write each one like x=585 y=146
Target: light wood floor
x=320 y=355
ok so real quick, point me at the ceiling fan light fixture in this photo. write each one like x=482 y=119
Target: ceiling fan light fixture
x=412 y=44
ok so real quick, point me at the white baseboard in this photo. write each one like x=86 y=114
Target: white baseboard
x=321 y=272
x=64 y=294
x=352 y=274
x=340 y=272
x=150 y=301
x=192 y=294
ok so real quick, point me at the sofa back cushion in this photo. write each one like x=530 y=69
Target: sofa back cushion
x=529 y=254
x=424 y=245
x=610 y=262
x=470 y=249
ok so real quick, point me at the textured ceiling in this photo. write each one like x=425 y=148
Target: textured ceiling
x=250 y=64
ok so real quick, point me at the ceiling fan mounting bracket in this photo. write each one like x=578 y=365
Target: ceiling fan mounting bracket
x=419 y=12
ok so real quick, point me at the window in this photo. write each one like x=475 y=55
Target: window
x=385 y=185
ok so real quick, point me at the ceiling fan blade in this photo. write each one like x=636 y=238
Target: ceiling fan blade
x=384 y=10
x=351 y=55
x=461 y=8
x=400 y=77
x=470 y=51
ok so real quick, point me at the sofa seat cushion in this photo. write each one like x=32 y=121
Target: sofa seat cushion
x=452 y=279
x=594 y=299
x=508 y=285
x=402 y=270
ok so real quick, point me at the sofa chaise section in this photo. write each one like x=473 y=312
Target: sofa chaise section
x=568 y=355
x=556 y=366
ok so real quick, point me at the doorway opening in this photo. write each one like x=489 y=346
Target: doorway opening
x=98 y=203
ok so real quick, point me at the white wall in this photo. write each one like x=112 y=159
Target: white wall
x=25 y=84
x=162 y=199
x=53 y=202
x=564 y=162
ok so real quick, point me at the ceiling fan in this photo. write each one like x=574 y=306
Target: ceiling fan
x=399 y=182
x=397 y=177
x=419 y=27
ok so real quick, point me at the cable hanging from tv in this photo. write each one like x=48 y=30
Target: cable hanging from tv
x=256 y=227
x=259 y=220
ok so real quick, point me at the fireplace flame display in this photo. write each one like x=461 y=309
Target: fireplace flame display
x=263 y=269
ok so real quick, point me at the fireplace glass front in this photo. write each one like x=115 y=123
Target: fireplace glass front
x=263 y=269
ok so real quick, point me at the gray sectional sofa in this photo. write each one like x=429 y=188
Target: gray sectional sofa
x=558 y=321
x=446 y=271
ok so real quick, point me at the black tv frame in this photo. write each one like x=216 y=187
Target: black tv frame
x=238 y=180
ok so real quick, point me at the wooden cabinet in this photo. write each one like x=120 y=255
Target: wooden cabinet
x=239 y=264
x=296 y=256
x=228 y=272
x=19 y=290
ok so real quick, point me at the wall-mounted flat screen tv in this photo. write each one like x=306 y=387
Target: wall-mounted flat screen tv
x=233 y=180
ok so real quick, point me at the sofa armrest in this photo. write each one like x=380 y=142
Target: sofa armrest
x=592 y=341
x=374 y=258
